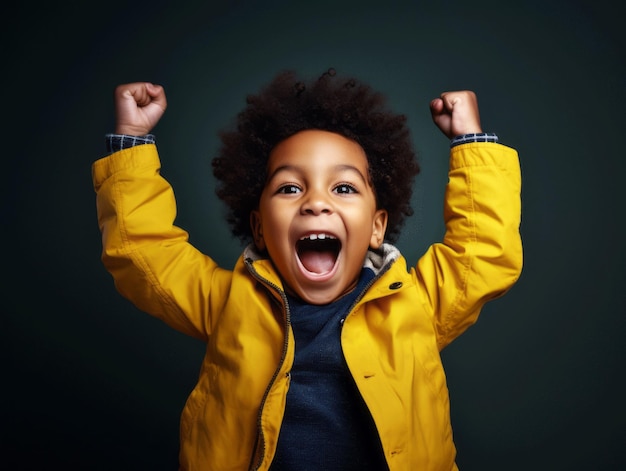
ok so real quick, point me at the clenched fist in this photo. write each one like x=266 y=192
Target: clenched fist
x=456 y=113
x=138 y=107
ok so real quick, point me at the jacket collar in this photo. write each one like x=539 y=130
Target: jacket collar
x=387 y=279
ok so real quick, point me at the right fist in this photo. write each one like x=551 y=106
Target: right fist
x=138 y=107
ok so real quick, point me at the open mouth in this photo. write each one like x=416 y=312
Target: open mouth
x=318 y=252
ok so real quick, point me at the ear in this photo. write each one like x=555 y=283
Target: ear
x=257 y=230
x=379 y=226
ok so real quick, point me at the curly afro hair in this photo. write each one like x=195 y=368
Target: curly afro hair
x=287 y=106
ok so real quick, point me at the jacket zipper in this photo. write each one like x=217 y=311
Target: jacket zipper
x=261 y=438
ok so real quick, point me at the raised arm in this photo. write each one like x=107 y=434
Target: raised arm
x=149 y=257
x=480 y=256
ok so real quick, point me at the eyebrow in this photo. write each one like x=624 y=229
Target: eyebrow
x=337 y=168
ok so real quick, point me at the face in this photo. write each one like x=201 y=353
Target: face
x=317 y=215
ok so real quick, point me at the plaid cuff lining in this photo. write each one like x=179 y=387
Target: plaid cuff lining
x=474 y=137
x=115 y=142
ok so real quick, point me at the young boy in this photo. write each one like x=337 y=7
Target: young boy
x=322 y=349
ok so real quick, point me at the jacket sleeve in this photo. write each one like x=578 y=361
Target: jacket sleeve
x=480 y=257
x=151 y=261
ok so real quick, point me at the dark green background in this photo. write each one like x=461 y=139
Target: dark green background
x=91 y=383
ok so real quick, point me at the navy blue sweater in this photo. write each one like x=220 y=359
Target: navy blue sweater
x=326 y=425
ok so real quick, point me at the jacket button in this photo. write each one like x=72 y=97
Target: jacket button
x=395 y=285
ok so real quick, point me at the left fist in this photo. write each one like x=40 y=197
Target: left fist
x=456 y=113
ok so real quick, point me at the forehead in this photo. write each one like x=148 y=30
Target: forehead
x=316 y=148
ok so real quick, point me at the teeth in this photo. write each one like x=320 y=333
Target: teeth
x=320 y=236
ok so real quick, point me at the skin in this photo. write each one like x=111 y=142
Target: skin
x=318 y=183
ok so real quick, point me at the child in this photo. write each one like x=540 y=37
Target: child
x=322 y=349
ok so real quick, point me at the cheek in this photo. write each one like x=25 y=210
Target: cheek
x=276 y=229
x=363 y=219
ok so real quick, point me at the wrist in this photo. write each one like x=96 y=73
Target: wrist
x=128 y=129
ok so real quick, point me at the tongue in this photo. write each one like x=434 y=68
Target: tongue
x=318 y=261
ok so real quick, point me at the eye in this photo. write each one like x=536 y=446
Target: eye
x=289 y=189
x=345 y=189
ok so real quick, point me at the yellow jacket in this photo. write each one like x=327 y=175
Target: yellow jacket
x=391 y=339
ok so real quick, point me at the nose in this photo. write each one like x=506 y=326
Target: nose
x=316 y=202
